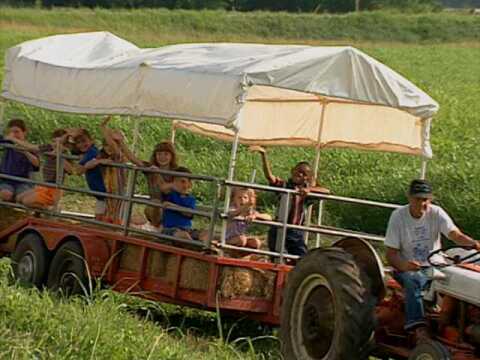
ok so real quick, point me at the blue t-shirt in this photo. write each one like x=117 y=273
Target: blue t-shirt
x=15 y=163
x=93 y=176
x=174 y=218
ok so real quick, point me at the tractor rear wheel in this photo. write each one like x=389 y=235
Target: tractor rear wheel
x=30 y=260
x=68 y=273
x=327 y=311
x=431 y=350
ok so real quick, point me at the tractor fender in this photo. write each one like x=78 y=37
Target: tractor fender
x=368 y=260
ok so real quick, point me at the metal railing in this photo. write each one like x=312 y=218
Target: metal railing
x=214 y=213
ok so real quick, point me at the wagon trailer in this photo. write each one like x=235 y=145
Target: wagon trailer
x=332 y=304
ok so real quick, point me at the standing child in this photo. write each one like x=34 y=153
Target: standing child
x=176 y=222
x=16 y=163
x=243 y=206
x=43 y=196
x=93 y=174
x=163 y=157
x=301 y=180
x=114 y=178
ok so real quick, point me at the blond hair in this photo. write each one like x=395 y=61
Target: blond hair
x=252 y=196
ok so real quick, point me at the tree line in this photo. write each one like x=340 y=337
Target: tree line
x=334 y=6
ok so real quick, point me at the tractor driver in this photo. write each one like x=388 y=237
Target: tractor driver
x=413 y=233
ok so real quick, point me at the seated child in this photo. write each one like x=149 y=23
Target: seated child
x=176 y=222
x=16 y=163
x=43 y=196
x=93 y=174
x=301 y=180
x=243 y=206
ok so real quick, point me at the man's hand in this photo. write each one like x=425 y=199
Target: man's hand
x=256 y=148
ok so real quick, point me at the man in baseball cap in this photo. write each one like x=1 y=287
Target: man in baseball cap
x=413 y=232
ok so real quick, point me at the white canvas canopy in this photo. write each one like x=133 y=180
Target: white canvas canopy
x=259 y=94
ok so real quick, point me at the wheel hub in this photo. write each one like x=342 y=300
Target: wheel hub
x=26 y=267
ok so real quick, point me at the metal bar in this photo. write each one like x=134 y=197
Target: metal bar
x=426 y=125
x=315 y=195
x=101 y=194
x=284 y=213
x=128 y=213
x=214 y=213
x=3 y=104
x=173 y=133
x=257 y=251
x=318 y=238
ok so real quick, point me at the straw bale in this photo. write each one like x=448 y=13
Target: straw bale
x=243 y=282
x=161 y=265
x=9 y=216
x=130 y=258
x=194 y=274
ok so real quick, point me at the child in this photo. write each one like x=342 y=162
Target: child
x=42 y=196
x=93 y=174
x=163 y=157
x=301 y=180
x=243 y=205
x=114 y=178
x=175 y=221
x=16 y=163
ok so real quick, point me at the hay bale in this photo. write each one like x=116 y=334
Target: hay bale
x=9 y=216
x=194 y=274
x=161 y=265
x=243 y=282
x=130 y=258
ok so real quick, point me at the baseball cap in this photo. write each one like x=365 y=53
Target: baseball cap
x=420 y=189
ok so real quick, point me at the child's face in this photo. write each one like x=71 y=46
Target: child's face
x=163 y=158
x=17 y=133
x=108 y=149
x=302 y=175
x=183 y=185
x=241 y=198
x=83 y=143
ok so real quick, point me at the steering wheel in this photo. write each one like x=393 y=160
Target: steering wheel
x=470 y=258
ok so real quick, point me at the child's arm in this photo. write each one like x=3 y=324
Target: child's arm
x=262 y=216
x=24 y=144
x=91 y=164
x=34 y=160
x=108 y=135
x=68 y=167
x=129 y=154
x=319 y=189
x=267 y=171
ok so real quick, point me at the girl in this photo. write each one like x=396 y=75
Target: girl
x=114 y=178
x=163 y=157
x=241 y=213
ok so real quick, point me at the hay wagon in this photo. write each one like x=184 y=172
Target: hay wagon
x=248 y=94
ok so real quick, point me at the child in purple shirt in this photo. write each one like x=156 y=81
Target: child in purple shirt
x=16 y=163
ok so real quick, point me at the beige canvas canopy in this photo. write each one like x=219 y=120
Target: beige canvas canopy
x=257 y=94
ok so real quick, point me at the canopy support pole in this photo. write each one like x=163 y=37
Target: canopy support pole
x=228 y=190
x=125 y=208
x=315 y=176
x=425 y=141
x=173 y=133
x=3 y=104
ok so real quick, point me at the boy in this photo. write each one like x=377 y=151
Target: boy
x=88 y=165
x=42 y=196
x=301 y=180
x=176 y=222
x=16 y=163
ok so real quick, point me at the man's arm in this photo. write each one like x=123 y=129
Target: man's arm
x=395 y=260
x=129 y=154
x=464 y=240
x=267 y=171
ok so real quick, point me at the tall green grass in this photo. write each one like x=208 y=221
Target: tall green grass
x=38 y=325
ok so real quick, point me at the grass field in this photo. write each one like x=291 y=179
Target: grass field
x=437 y=52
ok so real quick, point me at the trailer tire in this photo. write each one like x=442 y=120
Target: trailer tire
x=327 y=312
x=30 y=260
x=68 y=273
x=430 y=350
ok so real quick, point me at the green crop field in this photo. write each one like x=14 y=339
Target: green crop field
x=438 y=52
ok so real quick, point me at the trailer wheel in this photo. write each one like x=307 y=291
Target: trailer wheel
x=327 y=313
x=68 y=272
x=30 y=260
x=432 y=350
